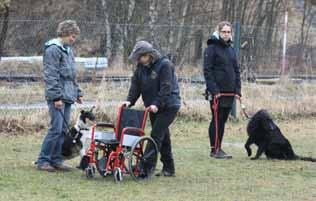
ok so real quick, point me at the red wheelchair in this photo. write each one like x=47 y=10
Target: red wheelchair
x=122 y=150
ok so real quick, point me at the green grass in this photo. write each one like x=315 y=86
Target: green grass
x=198 y=176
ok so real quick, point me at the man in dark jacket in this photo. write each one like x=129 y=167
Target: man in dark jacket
x=155 y=80
x=221 y=72
x=61 y=90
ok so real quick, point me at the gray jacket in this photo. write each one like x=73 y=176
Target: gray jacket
x=60 y=73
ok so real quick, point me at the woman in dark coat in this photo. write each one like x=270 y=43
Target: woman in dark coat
x=155 y=80
x=221 y=72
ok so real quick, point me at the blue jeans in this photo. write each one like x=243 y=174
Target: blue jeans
x=52 y=145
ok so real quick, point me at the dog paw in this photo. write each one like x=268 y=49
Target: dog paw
x=253 y=158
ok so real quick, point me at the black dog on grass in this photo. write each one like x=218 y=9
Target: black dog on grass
x=263 y=132
x=72 y=140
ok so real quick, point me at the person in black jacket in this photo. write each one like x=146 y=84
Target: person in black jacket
x=221 y=72
x=155 y=80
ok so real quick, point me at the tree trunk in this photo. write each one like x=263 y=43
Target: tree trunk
x=171 y=29
x=4 y=30
x=153 y=15
x=181 y=31
x=108 y=38
x=128 y=43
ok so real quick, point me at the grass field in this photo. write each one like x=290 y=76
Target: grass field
x=198 y=177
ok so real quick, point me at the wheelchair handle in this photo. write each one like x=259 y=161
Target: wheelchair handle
x=147 y=110
x=124 y=105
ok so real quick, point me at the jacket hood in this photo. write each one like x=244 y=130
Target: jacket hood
x=216 y=39
x=144 y=47
x=57 y=42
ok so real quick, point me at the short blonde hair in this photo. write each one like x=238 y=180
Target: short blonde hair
x=220 y=25
x=67 y=27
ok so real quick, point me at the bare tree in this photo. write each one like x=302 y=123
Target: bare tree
x=181 y=30
x=309 y=13
x=153 y=17
x=4 y=12
x=177 y=27
x=171 y=28
x=108 y=39
x=128 y=43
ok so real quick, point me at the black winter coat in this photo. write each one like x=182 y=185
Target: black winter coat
x=221 y=70
x=157 y=84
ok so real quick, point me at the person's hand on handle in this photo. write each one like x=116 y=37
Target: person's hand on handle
x=218 y=95
x=238 y=96
x=153 y=108
x=58 y=104
x=126 y=103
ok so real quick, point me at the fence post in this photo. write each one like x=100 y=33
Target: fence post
x=237 y=48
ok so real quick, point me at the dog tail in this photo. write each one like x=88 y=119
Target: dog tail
x=304 y=158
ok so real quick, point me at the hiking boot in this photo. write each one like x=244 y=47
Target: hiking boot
x=62 y=167
x=46 y=167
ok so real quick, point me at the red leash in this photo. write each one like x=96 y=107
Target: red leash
x=215 y=108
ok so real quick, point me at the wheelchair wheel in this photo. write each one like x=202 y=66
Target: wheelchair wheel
x=90 y=171
x=142 y=164
x=118 y=175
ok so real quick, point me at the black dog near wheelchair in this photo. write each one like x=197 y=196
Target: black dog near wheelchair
x=263 y=132
x=72 y=140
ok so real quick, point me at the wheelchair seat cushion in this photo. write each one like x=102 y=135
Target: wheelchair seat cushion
x=107 y=142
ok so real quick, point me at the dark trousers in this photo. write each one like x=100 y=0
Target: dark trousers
x=160 y=123
x=223 y=113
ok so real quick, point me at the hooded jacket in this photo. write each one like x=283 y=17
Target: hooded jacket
x=221 y=69
x=157 y=83
x=60 y=73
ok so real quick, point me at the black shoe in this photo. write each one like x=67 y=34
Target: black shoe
x=165 y=173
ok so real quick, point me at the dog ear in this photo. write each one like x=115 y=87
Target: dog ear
x=82 y=112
